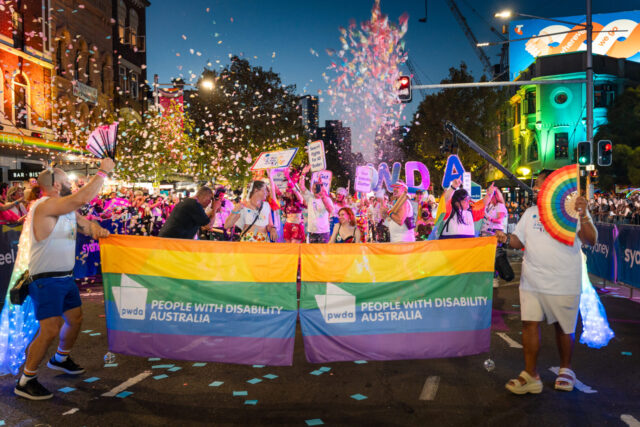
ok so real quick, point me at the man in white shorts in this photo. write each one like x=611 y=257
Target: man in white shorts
x=550 y=286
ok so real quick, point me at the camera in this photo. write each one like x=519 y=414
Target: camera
x=317 y=188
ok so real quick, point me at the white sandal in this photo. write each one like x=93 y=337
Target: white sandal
x=565 y=380
x=531 y=385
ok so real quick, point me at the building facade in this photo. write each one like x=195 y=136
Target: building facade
x=130 y=55
x=544 y=123
x=309 y=113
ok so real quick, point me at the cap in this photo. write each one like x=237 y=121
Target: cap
x=400 y=183
x=342 y=190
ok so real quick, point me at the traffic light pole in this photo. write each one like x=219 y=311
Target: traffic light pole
x=589 y=91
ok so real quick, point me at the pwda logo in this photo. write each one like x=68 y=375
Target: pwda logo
x=630 y=256
x=337 y=306
x=130 y=298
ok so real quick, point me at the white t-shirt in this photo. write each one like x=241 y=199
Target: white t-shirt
x=400 y=233
x=492 y=212
x=455 y=228
x=549 y=267
x=248 y=215
x=317 y=216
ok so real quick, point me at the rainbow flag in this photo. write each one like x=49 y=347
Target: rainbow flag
x=397 y=301
x=200 y=300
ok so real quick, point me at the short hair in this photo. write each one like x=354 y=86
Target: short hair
x=204 y=191
x=256 y=186
x=350 y=214
x=49 y=176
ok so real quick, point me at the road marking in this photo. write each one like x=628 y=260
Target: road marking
x=512 y=343
x=128 y=383
x=578 y=384
x=630 y=420
x=71 y=411
x=430 y=388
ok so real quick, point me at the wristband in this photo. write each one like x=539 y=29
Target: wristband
x=101 y=174
x=236 y=212
x=508 y=240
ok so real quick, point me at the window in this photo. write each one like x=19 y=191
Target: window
x=20 y=97
x=18 y=29
x=134 y=86
x=516 y=112
x=59 y=49
x=133 y=27
x=603 y=96
x=122 y=17
x=562 y=145
x=122 y=80
x=77 y=67
x=530 y=102
x=532 y=154
x=560 y=98
x=46 y=26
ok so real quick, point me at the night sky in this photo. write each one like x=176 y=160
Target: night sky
x=290 y=36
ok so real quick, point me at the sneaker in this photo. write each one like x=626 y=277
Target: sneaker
x=496 y=283
x=32 y=390
x=68 y=366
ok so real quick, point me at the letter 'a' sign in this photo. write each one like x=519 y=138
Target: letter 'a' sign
x=317 y=159
x=453 y=170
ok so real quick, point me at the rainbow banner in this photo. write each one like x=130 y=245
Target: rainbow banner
x=200 y=300
x=397 y=301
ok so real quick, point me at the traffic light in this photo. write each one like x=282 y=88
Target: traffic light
x=605 y=152
x=584 y=153
x=403 y=89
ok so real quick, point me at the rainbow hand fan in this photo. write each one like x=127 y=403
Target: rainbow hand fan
x=103 y=141
x=556 y=204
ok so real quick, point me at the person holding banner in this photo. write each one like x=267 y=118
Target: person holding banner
x=400 y=215
x=459 y=222
x=550 y=287
x=254 y=216
x=319 y=209
x=52 y=256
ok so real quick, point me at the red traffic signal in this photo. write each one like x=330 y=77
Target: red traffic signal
x=605 y=152
x=403 y=89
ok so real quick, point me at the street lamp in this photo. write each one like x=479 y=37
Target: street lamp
x=207 y=84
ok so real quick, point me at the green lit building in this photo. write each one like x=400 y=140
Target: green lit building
x=543 y=124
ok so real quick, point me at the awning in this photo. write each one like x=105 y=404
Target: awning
x=16 y=143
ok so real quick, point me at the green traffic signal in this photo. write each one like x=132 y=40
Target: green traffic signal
x=584 y=153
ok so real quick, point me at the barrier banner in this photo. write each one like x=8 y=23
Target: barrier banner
x=628 y=253
x=88 y=251
x=200 y=300
x=9 y=237
x=397 y=301
x=601 y=258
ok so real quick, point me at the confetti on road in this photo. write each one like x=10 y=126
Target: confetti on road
x=626 y=353
x=316 y=372
x=87 y=331
x=314 y=422
x=161 y=377
x=66 y=389
x=358 y=396
x=124 y=394
x=258 y=366
x=175 y=369
x=162 y=366
x=91 y=380
x=69 y=412
x=254 y=381
x=216 y=384
x=199 y=365
x=240 y=393
x=324 y=369
x=270 y=376
x=110 y=365
x=360 y=362
x=153 y=359
x=95 y=334
x=1 y=422
x=250 y=402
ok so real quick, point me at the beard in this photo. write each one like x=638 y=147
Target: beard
x=65 y=191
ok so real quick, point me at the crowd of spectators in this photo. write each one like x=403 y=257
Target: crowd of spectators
x=616 y=208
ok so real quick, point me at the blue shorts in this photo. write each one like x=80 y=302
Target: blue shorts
x=53 y=296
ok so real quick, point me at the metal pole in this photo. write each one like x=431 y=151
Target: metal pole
x=492 y=84
x=589 y=89
x=155 y=91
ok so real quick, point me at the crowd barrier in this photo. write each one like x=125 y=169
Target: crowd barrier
x=236 y=302
x=616 y=255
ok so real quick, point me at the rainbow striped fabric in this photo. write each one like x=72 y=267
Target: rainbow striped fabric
x=397 y=301
x=200 y=300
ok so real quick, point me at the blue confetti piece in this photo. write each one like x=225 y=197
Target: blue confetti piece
x=314 y=422
x=153 y=359
x=358 y=396
x=175 y=369
x=199 y=365
x=87 y=331
x=360 y=362
x=161 y=377
x=626 y=353
x=254 y=381
x=91 y=380
x=95 y=334
x=324 y=369
x=258 y=366
x=216 y=384
x=1 y=422
x=515 y=305
x=240 y=393
x=66 y=389
x=124 y=394
x=316 y=372
x=270 y=376
x=110 y=365
x=250 y=402
x=162 y=366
